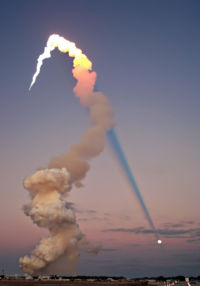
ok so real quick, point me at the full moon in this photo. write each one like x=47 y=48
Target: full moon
x=159 y=241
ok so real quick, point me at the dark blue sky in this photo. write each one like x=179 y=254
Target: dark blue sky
x=146 y=55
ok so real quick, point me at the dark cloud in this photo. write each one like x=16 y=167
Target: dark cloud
x=175 y=225
x=87 y=215
x=167 y=232
x=92 y=215
x=193 y=240
x=180 y=224
x=70 y=205
x=90 y=218
x=86 y=211
x=189 y=222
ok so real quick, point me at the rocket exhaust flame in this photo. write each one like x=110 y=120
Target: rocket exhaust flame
x=112 y=137
x=64 y=46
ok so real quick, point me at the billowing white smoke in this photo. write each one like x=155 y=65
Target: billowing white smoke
x=48 y=188
x=48 y=209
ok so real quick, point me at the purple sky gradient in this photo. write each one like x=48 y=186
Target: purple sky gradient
x=146 y=55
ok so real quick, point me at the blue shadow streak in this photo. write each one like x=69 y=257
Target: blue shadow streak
x=113 y=139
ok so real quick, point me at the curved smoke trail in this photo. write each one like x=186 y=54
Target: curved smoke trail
x=48 y=188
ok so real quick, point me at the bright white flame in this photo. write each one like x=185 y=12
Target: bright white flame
x=46 y=54
x=159 y=241
x=64 y=46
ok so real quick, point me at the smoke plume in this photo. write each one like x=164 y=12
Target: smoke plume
x=49 y=188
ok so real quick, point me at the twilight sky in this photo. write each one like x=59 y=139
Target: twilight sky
x=146 y=55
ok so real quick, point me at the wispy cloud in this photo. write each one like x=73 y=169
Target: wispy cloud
x=180 y=224
x=167 y=232
x=89 y=212
x=193 y=240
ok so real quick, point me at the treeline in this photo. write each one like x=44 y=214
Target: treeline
x=173 y=278
x=85 y=277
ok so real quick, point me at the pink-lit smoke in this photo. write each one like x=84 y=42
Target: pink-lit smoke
x=49 y=188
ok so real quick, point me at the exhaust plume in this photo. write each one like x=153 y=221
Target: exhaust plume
x=48 y=188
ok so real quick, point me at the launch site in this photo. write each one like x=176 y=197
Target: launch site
x=100 y=281
x=100 y=142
